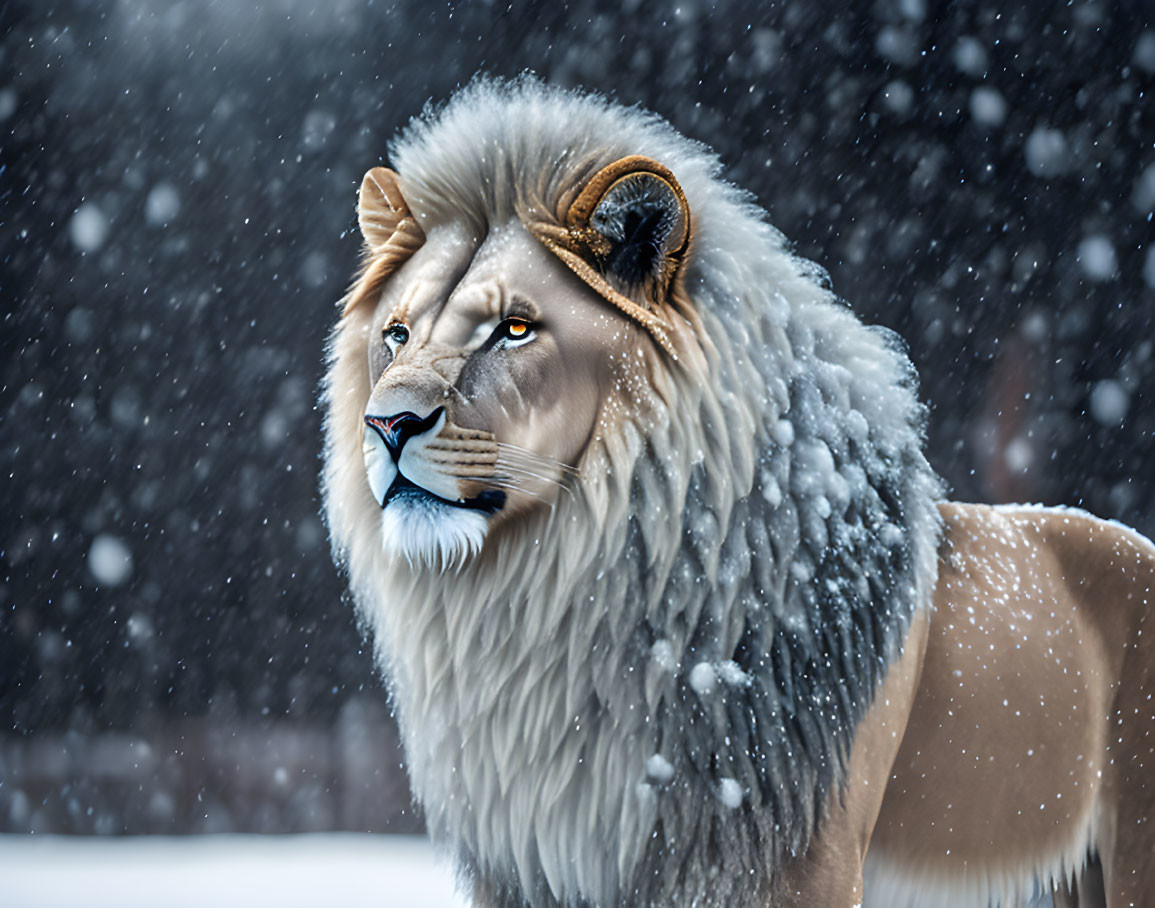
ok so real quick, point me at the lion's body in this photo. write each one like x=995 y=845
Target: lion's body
x=1030 y=746
x=651 y=577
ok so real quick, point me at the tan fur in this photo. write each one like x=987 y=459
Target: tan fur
x=573 y=734
x=1031 y=744
x=1023 y=715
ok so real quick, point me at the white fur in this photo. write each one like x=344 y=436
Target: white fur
x=534 y=686
x=379 y=467
x=889 y=884
x=421 y=530
x=431 y=532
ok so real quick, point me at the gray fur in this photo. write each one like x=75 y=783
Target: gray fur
x=771 y=529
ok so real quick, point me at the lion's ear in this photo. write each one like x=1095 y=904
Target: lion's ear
x=390 y=231
x=636 y=222
x=626 y=234
x=380 y=207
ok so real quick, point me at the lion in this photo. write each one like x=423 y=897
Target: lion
x=671 y=606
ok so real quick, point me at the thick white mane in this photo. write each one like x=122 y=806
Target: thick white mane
x=694 y=632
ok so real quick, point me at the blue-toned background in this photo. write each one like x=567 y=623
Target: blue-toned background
x=177 y=182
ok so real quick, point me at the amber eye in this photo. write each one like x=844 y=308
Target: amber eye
x=513 y=332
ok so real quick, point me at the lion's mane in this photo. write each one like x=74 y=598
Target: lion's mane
x=668 y=666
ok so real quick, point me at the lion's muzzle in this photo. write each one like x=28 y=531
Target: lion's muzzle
x=395 y=472
x=398 y=429
x=383 y=444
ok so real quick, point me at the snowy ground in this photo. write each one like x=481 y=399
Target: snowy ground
x=224 y=870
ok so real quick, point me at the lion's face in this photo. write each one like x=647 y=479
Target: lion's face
x=493 y=356
x=487 y=362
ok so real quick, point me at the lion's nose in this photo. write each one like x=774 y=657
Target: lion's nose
x=397 y=429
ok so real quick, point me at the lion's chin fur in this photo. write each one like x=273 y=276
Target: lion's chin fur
x=431 y=534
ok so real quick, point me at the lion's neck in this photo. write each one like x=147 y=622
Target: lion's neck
x=698 y=628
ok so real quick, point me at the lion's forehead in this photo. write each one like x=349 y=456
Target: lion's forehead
x=424 y=284
x=459 y=285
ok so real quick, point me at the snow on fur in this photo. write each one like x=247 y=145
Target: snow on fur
x=769 y=515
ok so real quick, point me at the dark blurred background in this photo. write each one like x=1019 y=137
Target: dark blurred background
x=177 y=185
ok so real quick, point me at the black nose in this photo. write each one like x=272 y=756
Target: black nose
x=397 y=429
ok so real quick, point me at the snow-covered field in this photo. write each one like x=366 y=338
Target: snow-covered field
x=343 y=870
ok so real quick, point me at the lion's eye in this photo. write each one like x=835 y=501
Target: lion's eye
x=394 y=336
x=515 y=332
x=397 y=333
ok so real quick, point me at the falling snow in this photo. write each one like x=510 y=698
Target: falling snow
x=8 y=103
x=988 y=107
x=1047 y=152
x=1143 y=195
x=971 y=57
x=1096 y=255
x=163 y=204
x=1109 y=402
x=1144 y=56
x=88 y=227
x=178 y=225
x=109 y=560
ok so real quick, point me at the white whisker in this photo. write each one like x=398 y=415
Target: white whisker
x=515 y=474
x=525 y=472
x=506 y=449
x=511 y=485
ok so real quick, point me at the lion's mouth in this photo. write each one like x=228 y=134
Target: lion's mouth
x=384 y=468
x=489 y=501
